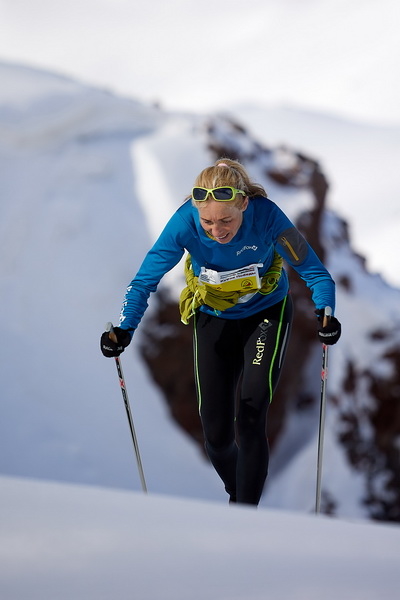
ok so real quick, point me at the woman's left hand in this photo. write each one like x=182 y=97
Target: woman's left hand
x=331 y=333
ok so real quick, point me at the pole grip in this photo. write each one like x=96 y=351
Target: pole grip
x=327 y=316
x=111 y=334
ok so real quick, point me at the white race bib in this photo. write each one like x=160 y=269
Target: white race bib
x=239 y=280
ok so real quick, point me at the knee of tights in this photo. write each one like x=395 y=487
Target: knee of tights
x=220 y=451
x=251 y=422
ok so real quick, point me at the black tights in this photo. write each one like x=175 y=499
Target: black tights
x=237 y=368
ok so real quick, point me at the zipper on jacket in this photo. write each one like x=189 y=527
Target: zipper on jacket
x=290 y=248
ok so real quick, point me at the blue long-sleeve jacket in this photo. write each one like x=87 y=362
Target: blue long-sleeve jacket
x=265 y=228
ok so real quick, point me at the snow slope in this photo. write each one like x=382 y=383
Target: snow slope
x=88 y=180
x=72 y=235
x=63 y=542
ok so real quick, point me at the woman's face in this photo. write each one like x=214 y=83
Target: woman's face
x=222 y=220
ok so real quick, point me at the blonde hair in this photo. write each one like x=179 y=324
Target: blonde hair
x=228 y=172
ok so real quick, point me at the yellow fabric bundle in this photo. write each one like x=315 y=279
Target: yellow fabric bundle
x=195 y=293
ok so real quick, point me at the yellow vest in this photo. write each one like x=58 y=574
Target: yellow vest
x=195 y=293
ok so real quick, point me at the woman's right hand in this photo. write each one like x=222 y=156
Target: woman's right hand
x=114 y=342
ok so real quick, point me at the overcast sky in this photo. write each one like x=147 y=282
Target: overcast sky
x=328 y=55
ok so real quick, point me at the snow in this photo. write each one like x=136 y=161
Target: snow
x=64 y=541
x=72 y=235
x=82 y=204
x=50 y=107
x=78 y=212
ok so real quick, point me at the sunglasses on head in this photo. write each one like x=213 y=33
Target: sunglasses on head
x=220 y=194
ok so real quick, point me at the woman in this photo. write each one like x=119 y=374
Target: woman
x=237 y=294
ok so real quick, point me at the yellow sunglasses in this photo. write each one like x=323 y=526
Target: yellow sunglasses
x=220 y=194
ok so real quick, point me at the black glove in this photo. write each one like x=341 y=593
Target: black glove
x=109 y=348
x=329 y=334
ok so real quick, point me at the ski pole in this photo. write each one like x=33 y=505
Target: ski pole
x=324 y=374
x=113 y=337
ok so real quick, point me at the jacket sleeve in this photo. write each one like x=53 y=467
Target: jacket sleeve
x=161 y=258
x=297 y=252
